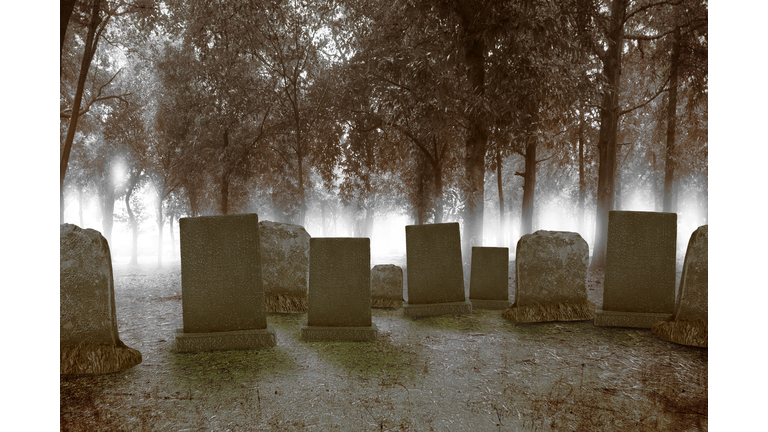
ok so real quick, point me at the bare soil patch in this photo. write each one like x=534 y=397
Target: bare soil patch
x=470 y=372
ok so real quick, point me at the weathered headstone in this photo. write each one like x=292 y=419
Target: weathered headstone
x=222 y=297
x=386 y=286
x=551 y=278
x=690 y=323
x=339 y=290
x=89 y=341
x=489 y=278
x=435 y=271
x=284 y=266
x=639 y=285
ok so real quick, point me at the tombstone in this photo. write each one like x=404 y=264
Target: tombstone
x=435 y=271
x=88 y=340
x=689 y=325
x=489 y=278
x=222 y=298
x=284 y=266
x=386 y=286
x=339 y=290
x=639 y=285
x=551 y=278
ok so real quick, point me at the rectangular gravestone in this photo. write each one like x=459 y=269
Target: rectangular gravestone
x=435 y=271
x=222 y=297
x=339 y=306
x=489 y=278
x=639 y=285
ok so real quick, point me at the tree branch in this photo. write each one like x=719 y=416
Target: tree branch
x=629 y=15
x=662 y=89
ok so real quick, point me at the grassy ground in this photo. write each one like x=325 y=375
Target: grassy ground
x=470 y=372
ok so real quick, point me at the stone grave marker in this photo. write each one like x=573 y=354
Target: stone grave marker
x=284 y=266
x=690 y=322
x=387 y=286
x=489 y=278
x=435 y=271
x=639 y=285
x=88 y=340
x=339 y=290
x=221 y=287
x=551 y=278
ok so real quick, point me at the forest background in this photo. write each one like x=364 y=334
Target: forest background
x=31 y=206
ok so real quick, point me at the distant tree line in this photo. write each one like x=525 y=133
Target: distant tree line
x=438 y=109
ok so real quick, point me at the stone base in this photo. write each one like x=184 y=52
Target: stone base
x=606 y=318
x=339 y=333
x=92 y=359
x=214 y=341
x=380 y=302
x=432 y=309
x=489 y=304
x=285 y=303
x=694 y=333
x=546 y=312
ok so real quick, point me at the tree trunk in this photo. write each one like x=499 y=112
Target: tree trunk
x=475 y=147
x=170 y=229
x=669 y=166
x=439 y=207
x=90 y=49
x=609 y=117
x=80 y=206
x=529 y=187
x=370 y=214
x=500 y=236
x=66 y=8
x=582 y=177
x=160 y=220
x=107 y=206
x=421 y=192
x=302 y=202
x=134 y=226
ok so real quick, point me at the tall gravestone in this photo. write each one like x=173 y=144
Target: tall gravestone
x=551 y=278
x=639 y=285
x=386 y=286
x=435 y=271
x=339 y=290
x=222 y=297
x=690 y=323
x=284 y=266
x=89 y=341
x=489 y=278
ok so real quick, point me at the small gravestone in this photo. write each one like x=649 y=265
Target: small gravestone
x=551 y=278
x=386 y=286
x=690 y=323
x=435 y=271
x=89 y=341
x=639 y=285
x=284 y=266
x=339 y=290
x=221 y=288
x=489 y=278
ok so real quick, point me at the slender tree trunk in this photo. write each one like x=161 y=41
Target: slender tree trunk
x=170 y=229
x=134 y=227
x=66 y=8
x=609 y=117
x=160 y=220
x=529 y=187
x=500 y=236
x=80 y=206
x=439 y=207
x=669 y=166
x=370 y=214
x=421 y=192
x=91 y=41
x=582 y=177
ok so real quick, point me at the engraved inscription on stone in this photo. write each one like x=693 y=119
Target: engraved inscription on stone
x=640 y=262
x=489 y=277
x=221 y=274
x=433 y=255
x=339 y=282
